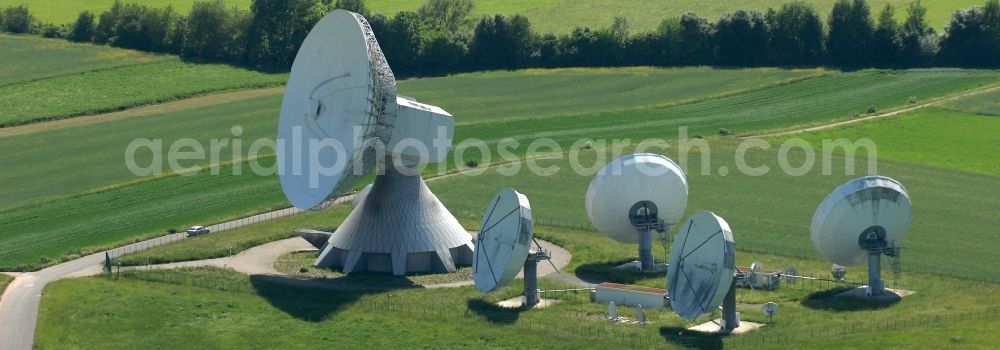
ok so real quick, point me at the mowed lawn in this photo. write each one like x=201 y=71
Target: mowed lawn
x=210 y=307
x=547 y=16
x=935 y=137
x=28 y=57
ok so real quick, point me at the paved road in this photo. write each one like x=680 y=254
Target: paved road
x=19 y=304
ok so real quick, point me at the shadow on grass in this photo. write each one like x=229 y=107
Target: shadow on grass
x=605 y=272
x=494 y=313
x=691 y=339
x=312 y=300
x=829 y=301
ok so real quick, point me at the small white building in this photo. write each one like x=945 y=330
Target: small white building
x=629 y=295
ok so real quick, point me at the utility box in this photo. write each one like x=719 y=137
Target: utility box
x=629 y=295
x=757 y=279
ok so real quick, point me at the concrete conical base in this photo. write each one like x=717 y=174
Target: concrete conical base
x=399 y=227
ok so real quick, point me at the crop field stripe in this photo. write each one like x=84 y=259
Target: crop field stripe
x=197 y=101
x=119 y=88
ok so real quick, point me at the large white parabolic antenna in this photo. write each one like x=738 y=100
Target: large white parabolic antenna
x=503 y=241
x=340 y=118
x=861 y=220
x=635 y=194
x=701 y=267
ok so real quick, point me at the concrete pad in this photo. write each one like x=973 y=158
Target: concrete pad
x=517 y=302
x=889 y=295
x=658 y=268
x=713 y=327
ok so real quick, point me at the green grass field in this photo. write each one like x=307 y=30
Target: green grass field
x=122 y=87
x=44 y=233
x=28 y=57
x=934 y=137
x=555 y=16
x=816 y=100
x=4 y=281
x=207 y=307
x=236 y=240
x=100 y=148
x=986 y=103
x=540 y=93
x=771 y=213
x=62 y=11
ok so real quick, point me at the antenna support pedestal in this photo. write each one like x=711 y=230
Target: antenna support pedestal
x=531 y=276
x=729 y=319
x=875 y=284
x=399 y=227
x=646 y=260
x=643 y=215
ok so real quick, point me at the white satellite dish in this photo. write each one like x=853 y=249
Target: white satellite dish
x=701 y=268
x=634 y=195
x=340 y=118
x=503 y=246
x=862 y=220
x=503 y=241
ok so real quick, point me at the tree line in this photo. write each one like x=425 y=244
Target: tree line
x=442 y=37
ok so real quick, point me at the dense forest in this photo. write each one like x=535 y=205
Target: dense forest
x=441 y=37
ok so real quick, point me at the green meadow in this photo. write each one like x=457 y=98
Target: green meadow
x=211 y=307
x=239 y=239
x=99 y=148
x=547 y=16
x=4 y=281
x=28 y=57
x=769 y=213
x=48 y=232
x=101 y=152
x=500 y=96
x=114 y=88
x=934 y=137
x=986 y=103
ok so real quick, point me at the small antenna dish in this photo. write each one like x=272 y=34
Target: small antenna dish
x=503 y=246
x=756 y=265
x=861 y=220
x=340 y=119
x=635 y=195
x=702 y=264
x=838 y=272
x=770 y=309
